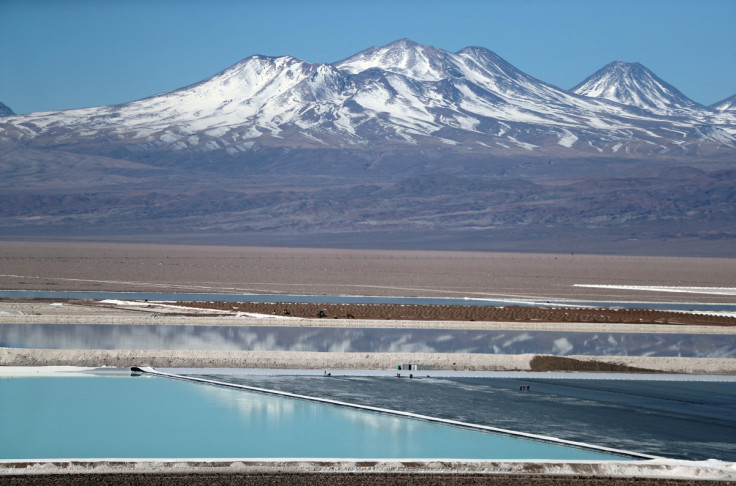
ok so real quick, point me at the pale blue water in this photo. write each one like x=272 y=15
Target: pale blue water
x=149 y=417
x=688 y=417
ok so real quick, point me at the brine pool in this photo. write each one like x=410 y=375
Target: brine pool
x=363 y=340
x=116 y=415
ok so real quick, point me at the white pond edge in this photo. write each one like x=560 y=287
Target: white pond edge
x=660 y=468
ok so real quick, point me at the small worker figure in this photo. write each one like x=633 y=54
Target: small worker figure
x=411 y=376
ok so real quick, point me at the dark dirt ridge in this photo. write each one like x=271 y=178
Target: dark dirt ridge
x=560 y=363
x=467 y=313
x=347 y=479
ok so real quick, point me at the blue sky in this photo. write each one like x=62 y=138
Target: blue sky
x=60 y=54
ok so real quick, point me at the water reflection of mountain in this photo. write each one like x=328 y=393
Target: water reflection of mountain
x=79 y=336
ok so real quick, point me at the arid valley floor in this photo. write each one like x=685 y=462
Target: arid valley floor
x=209 y=269
x=512 y=277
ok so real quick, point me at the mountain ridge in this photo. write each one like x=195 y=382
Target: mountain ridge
x=727 y=104
x=400 y=144
x=409 y=93
x=5 y=110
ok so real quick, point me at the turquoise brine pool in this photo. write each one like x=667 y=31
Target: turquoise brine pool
x=153 y=417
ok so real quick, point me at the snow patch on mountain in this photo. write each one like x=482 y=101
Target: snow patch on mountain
x=567 y=139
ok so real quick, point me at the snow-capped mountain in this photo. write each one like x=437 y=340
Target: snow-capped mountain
x=402 y=145
x=5 y=110
x=630 y=83
x=399 y=95
x=729 y=104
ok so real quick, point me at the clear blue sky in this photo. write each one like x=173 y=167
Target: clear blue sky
x=59 y=54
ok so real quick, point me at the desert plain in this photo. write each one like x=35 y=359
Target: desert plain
x=214 y=269
x=88 y=266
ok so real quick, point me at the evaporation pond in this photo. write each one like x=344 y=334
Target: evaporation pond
x=152 y=417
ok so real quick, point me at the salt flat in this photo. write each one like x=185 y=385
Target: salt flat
x=129 y=267
x=218 y=269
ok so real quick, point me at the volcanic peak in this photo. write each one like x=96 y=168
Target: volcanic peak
x=5 y=110
x=729 y=104
x=630 y=83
